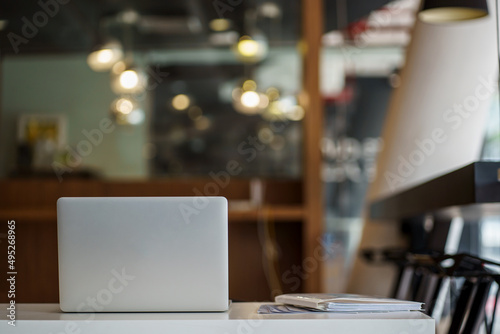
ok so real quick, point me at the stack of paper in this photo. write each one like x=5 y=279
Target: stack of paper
x=347 y=303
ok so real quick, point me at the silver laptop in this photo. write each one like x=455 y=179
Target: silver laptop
x=142 y=254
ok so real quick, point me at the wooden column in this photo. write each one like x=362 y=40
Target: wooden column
x=312 y=31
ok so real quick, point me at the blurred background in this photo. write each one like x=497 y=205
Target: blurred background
x=277 y=105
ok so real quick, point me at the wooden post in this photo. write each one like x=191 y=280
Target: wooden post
x=312 y=31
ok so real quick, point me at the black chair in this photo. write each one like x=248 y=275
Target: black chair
x=431 y=277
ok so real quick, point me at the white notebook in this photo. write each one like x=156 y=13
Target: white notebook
x=347 y=302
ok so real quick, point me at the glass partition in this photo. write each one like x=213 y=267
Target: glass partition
x=178 y=89
x=362 y=57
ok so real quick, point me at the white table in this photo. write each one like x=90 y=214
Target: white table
x=242 y=318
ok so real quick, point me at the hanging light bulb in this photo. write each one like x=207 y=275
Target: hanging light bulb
x=128 y=81
x=104 y=56
x=249 y=85
x=125 y=111
x=273 y=93
x=247 y=100
x=181 y=102
x=247 y=47
x=250 y=49
x=124 y=105
x=250 y=99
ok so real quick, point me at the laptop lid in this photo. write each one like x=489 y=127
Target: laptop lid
x=142 y=254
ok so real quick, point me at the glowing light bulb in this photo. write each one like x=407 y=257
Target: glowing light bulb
x=219 y=24
x=181 y=102
x=273 y=93
x=250 y=99
x=248 y=47
x=105 y=57
x=264 y=101
x=249 y=85
x=125 y=106
x=251 y=49
x=129 y=79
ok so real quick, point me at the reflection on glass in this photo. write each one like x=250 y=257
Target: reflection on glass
x=250 y=99
x=220 y=127
x=181 y=102
x=105 y=56
x=178 y=75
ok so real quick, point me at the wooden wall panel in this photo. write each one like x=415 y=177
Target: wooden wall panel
x=236 y=189
x=36 y=262
x=249 y=269
x=32 y=203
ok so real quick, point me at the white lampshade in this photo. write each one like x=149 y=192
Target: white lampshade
x=443 y=11
x=437 y=116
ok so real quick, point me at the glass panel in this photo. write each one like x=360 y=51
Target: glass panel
x=364 y=48
x=97 y=98
x=196 y=130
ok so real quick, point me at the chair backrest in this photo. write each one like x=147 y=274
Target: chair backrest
x=454 y=288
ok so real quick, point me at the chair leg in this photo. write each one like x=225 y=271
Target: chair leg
x=459 y=314
x=476 y=313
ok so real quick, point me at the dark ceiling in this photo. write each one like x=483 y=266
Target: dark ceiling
x=74 y=25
